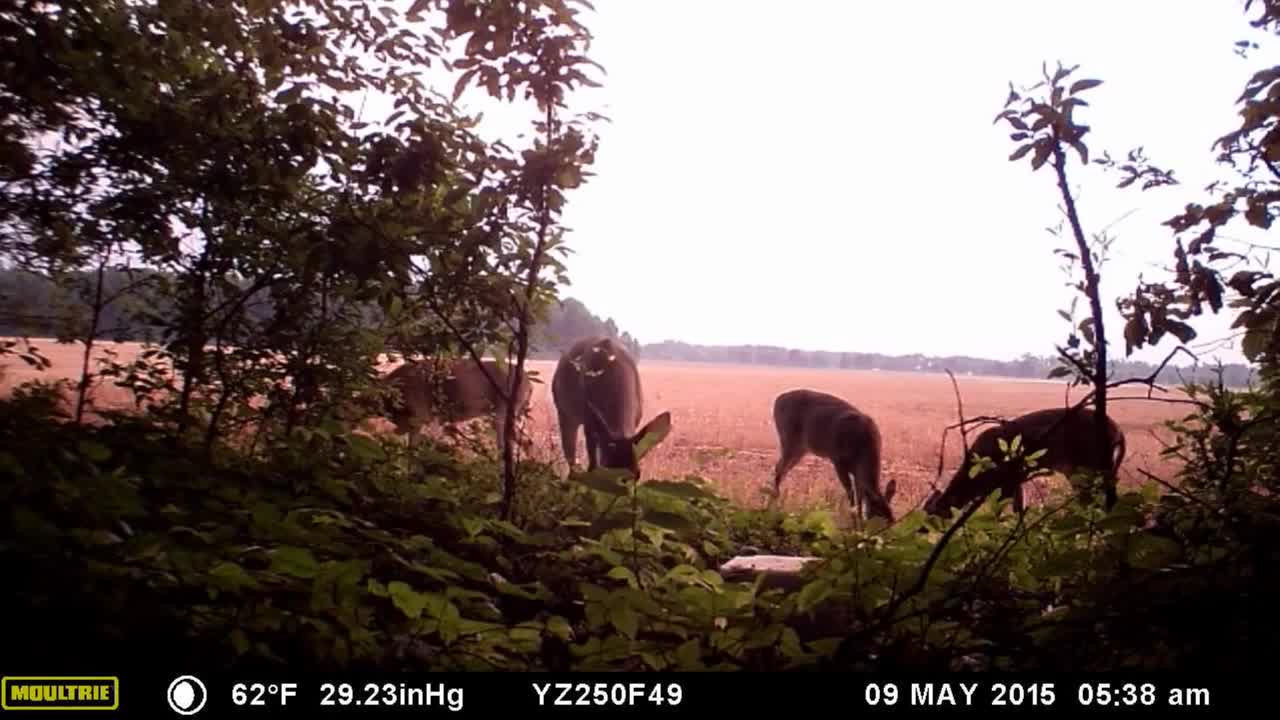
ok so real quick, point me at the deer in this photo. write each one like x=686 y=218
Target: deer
x=1068 y=437
x=596 y=387
x=813 y=422
x=466 y=388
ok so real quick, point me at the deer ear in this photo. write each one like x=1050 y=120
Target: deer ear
x=651 y=434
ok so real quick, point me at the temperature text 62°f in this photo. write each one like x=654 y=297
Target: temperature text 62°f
x=262 y=694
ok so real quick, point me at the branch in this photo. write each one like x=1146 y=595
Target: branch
x=964 y=438
x=923 y=577
x=1174 y=489
x=1149 y=380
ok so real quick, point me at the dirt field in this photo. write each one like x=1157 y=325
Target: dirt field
x=722 y=427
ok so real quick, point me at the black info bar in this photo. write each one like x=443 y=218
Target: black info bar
x=196 y=693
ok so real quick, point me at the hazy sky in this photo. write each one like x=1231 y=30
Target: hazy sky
x=823 y=174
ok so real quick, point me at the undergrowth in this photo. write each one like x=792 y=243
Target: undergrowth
x=338 y=550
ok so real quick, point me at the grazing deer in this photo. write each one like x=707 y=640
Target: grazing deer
x=467 y=391
x=596 y=386
x=809 y=421
x=1067 y=435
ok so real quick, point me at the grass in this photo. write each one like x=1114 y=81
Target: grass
x=723 y=430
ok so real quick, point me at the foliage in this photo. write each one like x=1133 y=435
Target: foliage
x=1046 y=126
x=1201 y=263
x=340 y=551
x=216 y=156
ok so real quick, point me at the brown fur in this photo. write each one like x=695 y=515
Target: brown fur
x=466 y=390
x=814 y=422
x=597 y=387
x=1071 y=442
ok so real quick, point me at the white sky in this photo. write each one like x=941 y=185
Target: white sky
x=822 y=174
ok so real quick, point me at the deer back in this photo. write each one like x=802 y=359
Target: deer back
x=824 y=424
x=470 y=388
x=1067 y=435
x=457 y=389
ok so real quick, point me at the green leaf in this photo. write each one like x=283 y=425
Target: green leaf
x=266 y=515
x=450 y=625
x=1065 y=563
x=364 y=448
x=1184 y=332
x=231 y=577
x=295 y=561
x=653 y=661
x=1017 y=154
x=406 y=599
x=508 y=588
x=1254 y=343
x=604 y=480
x=558 y=626
x=670 y=521
x=652 y=434
x=623 y=573
x=1151 y=552
x=625 y=619
x=689 y=654
x=1043 y=149
x=813 y=593
x=679 y=488
x=594 y=593
x=825 y=647
x=240 y=641
x=790 y=645
x=94 y=451
x=1081 y=85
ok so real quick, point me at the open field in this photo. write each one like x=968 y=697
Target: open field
x=722 y=426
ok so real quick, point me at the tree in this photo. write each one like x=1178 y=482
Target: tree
x=1252 y=152
x=224 y=146
x=1046 y=127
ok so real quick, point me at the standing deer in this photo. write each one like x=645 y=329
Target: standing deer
x=809 y=421
x=467 y=391
x=597 y=387
x=1067 y=435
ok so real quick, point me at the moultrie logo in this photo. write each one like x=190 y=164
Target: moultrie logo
x=42 y=692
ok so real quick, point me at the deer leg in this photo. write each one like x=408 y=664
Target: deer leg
x=592 y=445
x=569 y=440
x=405 y=426
x=1019 y=499
x=791 y=454
x=844 y=472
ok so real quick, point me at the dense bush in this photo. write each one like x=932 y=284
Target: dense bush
x=337 y=550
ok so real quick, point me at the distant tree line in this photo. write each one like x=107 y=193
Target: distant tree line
x=32 y=305
x=1026 y=366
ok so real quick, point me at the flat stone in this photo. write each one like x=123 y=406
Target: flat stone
x=780 y=571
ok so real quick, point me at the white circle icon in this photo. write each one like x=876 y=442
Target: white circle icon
x=187 y=695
